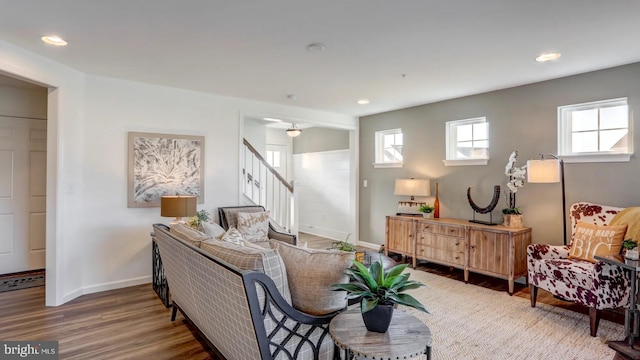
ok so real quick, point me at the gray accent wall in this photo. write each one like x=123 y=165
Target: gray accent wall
x=522 y=118
x=318 y=139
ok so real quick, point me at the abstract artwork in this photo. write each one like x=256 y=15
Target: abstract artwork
x=164 y=164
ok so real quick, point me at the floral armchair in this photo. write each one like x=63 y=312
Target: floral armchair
x=598 y=286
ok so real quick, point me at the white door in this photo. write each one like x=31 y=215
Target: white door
x=23 y=159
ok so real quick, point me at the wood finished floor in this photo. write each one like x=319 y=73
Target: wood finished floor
x=132 y=323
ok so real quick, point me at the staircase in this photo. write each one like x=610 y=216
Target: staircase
x=263 y=185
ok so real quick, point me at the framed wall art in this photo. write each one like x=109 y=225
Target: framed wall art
x=164 y=164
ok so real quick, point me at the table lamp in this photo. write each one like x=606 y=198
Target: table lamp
x=411 y=187
x=178 y=206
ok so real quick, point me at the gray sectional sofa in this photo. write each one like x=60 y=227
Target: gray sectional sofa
x=240 y=301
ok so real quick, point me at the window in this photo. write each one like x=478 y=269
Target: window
x=467 y=142
x=388 y=148
x=595 y=132
x=273 y=158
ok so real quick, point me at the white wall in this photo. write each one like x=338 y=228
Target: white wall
x=323 y=185
x=94 y=242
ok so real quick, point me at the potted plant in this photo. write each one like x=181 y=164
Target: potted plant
x=511 y=214
x=426 y=210
x=343 y=245
x=379 y=291
x=631 y=249
x=196 y=220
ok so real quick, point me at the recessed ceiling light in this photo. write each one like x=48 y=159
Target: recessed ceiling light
x=363 y=101
x=548 y=57
x=316 y=47
x=54 y=40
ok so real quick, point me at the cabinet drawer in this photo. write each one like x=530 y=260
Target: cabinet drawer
x=439 y=255
x=442 y=229
x=442 y=242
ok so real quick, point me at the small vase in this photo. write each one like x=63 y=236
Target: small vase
x=436 y=205
x=632 y=254
x=378 y=319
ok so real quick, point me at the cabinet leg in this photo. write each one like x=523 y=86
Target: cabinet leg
x=511 y=286
x=466 y=276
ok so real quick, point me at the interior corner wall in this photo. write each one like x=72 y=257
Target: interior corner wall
x=522 y=118
x=94 y=242
x=317 y=139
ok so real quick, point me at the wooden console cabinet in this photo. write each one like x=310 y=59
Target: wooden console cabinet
x=496 y=251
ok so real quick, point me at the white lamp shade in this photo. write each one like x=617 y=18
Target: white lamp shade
x=543 y=171
x=412 y=187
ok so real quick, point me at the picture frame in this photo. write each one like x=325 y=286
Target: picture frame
x=164 y=164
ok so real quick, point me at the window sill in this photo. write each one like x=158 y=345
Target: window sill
x=387 y=165
x=465 y=162
x=596 y=158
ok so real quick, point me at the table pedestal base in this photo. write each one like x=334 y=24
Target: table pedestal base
x=623 y=348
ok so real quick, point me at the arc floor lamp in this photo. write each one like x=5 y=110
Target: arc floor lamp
x=549 y=169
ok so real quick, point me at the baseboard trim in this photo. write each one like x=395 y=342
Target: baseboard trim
x=368 y=244
x=106 y=286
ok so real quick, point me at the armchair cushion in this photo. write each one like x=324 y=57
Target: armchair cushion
x=576 y=273
x=591 y=240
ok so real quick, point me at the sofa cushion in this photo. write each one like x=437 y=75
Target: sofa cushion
x=591 y=240
x=212 y=229
x=252 y=258
x=254 y=226
x=189 y=234
x=233 y=236
x=311 y=273
x=575 y=272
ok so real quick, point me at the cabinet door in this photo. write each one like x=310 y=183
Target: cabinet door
x=489 y=251
x=400 y=236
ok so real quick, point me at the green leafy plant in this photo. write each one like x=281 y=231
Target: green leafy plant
x=509 y=211
x=343 y=245
x=200 y=217
x=629 y=244
x=425 y=208
x=375 y=286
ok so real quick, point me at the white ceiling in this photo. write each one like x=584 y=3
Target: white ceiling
x=256 y=49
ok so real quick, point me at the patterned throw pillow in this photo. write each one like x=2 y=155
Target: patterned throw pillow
x=212 y=229
x=310 y=274
x=233 y=236
x=591 y=240
x=188 y=234
x=254 y=226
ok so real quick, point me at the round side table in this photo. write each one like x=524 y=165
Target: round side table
x=407 y=337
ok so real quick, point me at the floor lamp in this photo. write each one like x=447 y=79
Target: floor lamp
x=549 y=169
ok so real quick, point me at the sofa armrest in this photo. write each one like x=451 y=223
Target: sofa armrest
x=546 y=251
x=281 y=236
x=613 y=283
x=280 y=327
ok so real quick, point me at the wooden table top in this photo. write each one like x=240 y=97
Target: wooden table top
x=407 y=336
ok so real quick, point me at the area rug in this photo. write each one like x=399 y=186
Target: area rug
x=472 y=322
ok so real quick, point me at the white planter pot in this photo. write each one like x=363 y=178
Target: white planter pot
x=427 y=215
x=632 y=254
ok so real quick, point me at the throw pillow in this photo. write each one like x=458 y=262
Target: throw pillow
x=188 y=234
x=254 y=226
x=310 y=273
x=212 y=229
x=591 y=240
x=252 y=258
x=233 y=236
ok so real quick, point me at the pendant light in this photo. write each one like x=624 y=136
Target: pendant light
x=294 y=131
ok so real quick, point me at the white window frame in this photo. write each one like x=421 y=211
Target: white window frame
x=452 y=142
x=565 y=134
x=379 y=150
